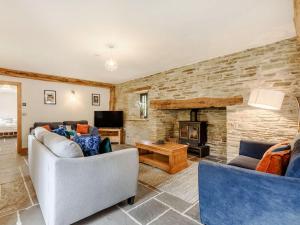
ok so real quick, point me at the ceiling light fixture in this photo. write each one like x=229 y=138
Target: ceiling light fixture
x=110 y=64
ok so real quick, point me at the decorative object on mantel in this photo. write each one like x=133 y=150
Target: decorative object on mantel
x=196 y=103
x=266 y=99
x=96 y=99
x=49 y=97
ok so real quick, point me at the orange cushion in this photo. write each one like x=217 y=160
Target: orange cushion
x=47 y=127
x=82 y=128
x=274 y=162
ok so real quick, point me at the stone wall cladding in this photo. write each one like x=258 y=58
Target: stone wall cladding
x=275 y=66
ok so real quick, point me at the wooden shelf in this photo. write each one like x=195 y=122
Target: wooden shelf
x=114 y=134
x=156 y=160
x=196 y=103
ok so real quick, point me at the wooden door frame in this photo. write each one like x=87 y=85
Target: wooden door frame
x=19 y=113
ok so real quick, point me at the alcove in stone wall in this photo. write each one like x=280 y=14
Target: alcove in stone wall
x=217 y=129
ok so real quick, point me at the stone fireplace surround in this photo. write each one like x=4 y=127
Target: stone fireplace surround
x=275 y=66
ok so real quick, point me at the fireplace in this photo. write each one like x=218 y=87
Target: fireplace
x=194 y=134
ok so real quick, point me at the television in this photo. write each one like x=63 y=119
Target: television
x=111 y=119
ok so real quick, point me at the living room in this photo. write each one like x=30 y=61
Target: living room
x=150 y=112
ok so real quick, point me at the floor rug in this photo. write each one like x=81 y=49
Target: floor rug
x=183 y=184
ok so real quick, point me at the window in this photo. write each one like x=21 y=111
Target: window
x=143 y=105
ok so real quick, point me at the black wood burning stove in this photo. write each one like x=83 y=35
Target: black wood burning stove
x=194 y=134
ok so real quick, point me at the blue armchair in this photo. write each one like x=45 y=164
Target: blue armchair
x=237 y=195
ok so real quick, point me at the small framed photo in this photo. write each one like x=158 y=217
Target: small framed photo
x=49 y=97
x=96 y=99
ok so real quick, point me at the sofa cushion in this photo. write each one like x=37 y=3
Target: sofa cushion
x=73 y=124
x=82 y=128
x=61 y=146
x=105 y=146
x=53 y=125
x=244 y=162
x=62 y=132
x=39 y=133
x=275 y=160
x=47 y=127
x=88 y=144
x=293 y=169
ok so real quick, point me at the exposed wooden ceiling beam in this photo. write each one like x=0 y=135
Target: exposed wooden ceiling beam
x=196 y=103
x=297 y=16
x=52 y=78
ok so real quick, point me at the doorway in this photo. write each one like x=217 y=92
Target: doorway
x=11 y=113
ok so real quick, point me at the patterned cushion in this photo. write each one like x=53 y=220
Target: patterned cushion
x=61 y=131
x=89 y=144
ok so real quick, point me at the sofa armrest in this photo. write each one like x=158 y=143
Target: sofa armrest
x=254 y=149
x=84 y=186
x=230 y=195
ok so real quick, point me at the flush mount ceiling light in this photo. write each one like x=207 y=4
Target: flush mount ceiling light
x=110 y=64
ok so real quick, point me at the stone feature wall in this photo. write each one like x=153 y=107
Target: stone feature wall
x=275 y=66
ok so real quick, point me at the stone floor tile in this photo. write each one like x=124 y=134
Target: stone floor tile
x=110 y=216
x=194 y=212
x=173 y=218
x=173 y=201
x=148 y=211
x=143 y=194
x=9 y=220
x=9 y=175
x=13 y=196
x=32 y=216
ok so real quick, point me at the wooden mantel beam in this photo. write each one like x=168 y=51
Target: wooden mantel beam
x=196 y=103
x=52 y=78
x=297 y=16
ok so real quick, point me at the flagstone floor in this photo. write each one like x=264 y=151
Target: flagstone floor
x=155 y=204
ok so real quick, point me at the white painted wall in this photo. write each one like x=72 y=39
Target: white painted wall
x=66 y=108
x=8 y=105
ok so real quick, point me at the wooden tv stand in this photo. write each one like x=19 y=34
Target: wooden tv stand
x=114 y=134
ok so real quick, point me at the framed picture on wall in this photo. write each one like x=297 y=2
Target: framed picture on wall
x=96 y=99
x=49 y=97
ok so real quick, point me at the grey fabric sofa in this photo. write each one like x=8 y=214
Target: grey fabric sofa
x=70 y=189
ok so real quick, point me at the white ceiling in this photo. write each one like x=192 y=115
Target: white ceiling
x=64 y=37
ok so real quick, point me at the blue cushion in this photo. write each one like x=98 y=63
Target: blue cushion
x=61 y=131
x=88 y=144
x=293 y=169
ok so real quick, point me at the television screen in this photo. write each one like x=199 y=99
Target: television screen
x=108 y=119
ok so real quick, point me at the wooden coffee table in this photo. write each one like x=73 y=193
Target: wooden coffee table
x=170 y=157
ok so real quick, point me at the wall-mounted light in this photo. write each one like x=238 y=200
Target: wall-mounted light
x=73 y=96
